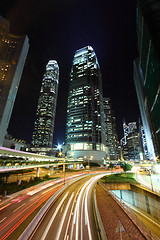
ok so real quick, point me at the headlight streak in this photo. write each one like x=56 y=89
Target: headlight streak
x=40 y=200
x=83 y=199
x=71 y=213
x=63 y=218
x=86 y=205
x=53 y=217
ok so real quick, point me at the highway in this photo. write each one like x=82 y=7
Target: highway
x=72 y=214
x=16 y=213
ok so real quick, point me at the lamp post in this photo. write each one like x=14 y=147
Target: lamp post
x=151 y=179
x=88 y=163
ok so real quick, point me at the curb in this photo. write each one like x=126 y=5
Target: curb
x=99 y=221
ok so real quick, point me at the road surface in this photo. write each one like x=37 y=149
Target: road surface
x=15 y=214
x=72 y=215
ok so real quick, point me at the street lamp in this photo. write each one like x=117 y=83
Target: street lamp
x=150 y=174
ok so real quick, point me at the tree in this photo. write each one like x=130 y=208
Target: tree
x=111 y=166
x=126 y=166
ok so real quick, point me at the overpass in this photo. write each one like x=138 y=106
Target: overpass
x=13 y=160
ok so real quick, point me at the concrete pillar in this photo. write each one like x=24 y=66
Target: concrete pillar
x=78 y=166
x=64 y=167
x=51 y=168
x=37 y=174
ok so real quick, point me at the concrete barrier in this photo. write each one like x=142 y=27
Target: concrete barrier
x=100 y=224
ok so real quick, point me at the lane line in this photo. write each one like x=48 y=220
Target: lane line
x=5 y=206
x=53 y=217
x=63 y=218
x=3 y=219
x=19 y=207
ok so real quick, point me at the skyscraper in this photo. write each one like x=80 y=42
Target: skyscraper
x=110 y=126
x=147 y=72
x=46 y=110
x=131 y=142
x=85 y=128
x=13 y=53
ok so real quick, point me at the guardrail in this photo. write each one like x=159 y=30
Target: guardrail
x=19 y=167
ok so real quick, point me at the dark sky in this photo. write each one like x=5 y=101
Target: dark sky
x=56 y=29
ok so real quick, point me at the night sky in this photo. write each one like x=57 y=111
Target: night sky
x=56 y=29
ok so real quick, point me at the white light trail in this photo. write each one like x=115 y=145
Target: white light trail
x=53 y=217
x=83 y=202
x=63 y=218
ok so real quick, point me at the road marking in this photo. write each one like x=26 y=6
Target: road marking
x=19 y=207
x=5 y=206
x=53 y=217
x=2 y=219
x=63 y=218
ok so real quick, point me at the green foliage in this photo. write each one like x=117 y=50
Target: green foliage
x=46 y=177
x=126 y=166
x=119 y=178
x=111 y=166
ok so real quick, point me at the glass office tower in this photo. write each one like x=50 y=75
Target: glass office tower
x=110 y=126
x=85 y=130
x=46 y=110
x=13 y=53
x=147 y=72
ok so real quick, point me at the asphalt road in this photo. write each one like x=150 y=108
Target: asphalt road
x=16 y=213
x=72 y=215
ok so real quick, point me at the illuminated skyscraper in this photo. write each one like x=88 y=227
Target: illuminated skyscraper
x=46 y=110
x=85 y=130
x=110 y=126
x=147 y=72
x=13 y=53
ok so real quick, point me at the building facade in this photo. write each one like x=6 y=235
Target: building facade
x=13 y=53
x=110 y=126
x=85 y=128
x=131 y=143
x=147 y=73
x=46 y=110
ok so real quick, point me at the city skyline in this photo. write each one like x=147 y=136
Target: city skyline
x=112 y=33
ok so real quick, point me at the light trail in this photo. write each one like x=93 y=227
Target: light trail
x=40 y=200
x=53 y=217
x=64 y=216
x=82 y=202
x=23 y=218
x=66 y=237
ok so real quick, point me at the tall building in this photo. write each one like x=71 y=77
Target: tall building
x=134 y=146
x=110 y=126
x=143 y=141
x=46 y=110
x=13 y=53
x=147 y=72
x=131 y=142
x=85 y=128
